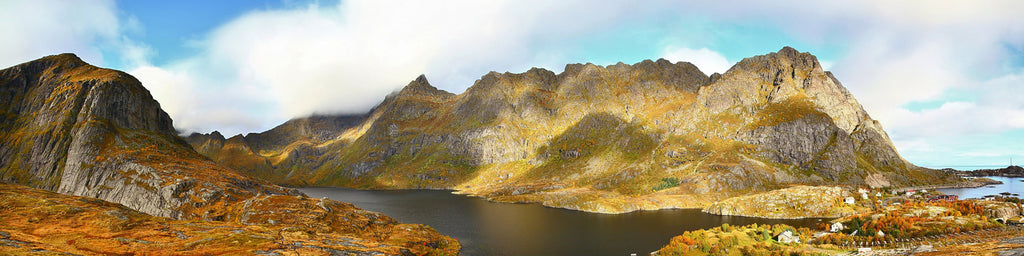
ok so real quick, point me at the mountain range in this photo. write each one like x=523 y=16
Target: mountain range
x=611 y=139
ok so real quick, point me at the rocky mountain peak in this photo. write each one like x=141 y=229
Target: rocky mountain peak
x=238 y=138
x=778 y=76
x=422 y=87
x=788 y=51
x=682 y=76
x=58 y=61
x=787 y=61
x=217 y=135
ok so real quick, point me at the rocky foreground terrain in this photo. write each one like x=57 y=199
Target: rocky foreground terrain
x=913 y=226
x=610 y=139
x=87 y=132
x=34 y=221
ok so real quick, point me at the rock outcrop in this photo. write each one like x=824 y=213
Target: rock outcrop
x=616 y=138
x=1001 y=210
x=789 y=203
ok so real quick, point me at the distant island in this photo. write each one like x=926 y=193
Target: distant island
x=1012 y=171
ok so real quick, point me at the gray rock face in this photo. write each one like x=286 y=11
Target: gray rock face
x=829 y=145
x=86 y=131
x=134 y=190
x=56 y=109
x=810 y=143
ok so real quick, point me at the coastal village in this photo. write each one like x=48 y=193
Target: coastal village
x=885 y=221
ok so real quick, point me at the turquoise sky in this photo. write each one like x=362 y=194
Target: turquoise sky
x=943 y=77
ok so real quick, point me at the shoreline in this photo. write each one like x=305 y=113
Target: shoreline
x=829 y=218
x=636 y=207
x=968 y=184
x=651 y=205
x=1001 y=175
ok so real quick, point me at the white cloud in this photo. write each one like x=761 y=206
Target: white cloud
x=707 y=61
x=893 y=53
x=884 y=78
x=347 y=57
x=179 y=92
x=33 y=29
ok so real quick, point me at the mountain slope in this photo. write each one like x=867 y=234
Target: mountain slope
x=612 y=139
x=80 y=130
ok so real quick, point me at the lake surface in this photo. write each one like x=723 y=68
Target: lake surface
x=487 y=228
x=1012 y=185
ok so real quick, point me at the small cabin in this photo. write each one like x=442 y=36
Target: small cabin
x=849 y=200
x=787 y=237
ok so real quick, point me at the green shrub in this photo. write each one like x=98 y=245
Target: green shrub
x=667 y=183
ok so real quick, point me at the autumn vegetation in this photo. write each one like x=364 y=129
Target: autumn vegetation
x=752 y=239
x=911 y=220
x=35 y=221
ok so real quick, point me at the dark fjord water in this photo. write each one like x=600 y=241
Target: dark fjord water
x=1012 y=185
x=487 y=228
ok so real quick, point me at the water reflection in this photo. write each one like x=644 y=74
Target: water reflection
x=1011 y=185
x=486 y=228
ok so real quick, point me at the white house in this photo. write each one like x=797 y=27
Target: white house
x=836 y=227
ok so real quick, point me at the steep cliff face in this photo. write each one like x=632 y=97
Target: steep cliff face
x=617 y=138
x=80 y=130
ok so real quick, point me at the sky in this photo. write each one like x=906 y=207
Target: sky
x=944 y=78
